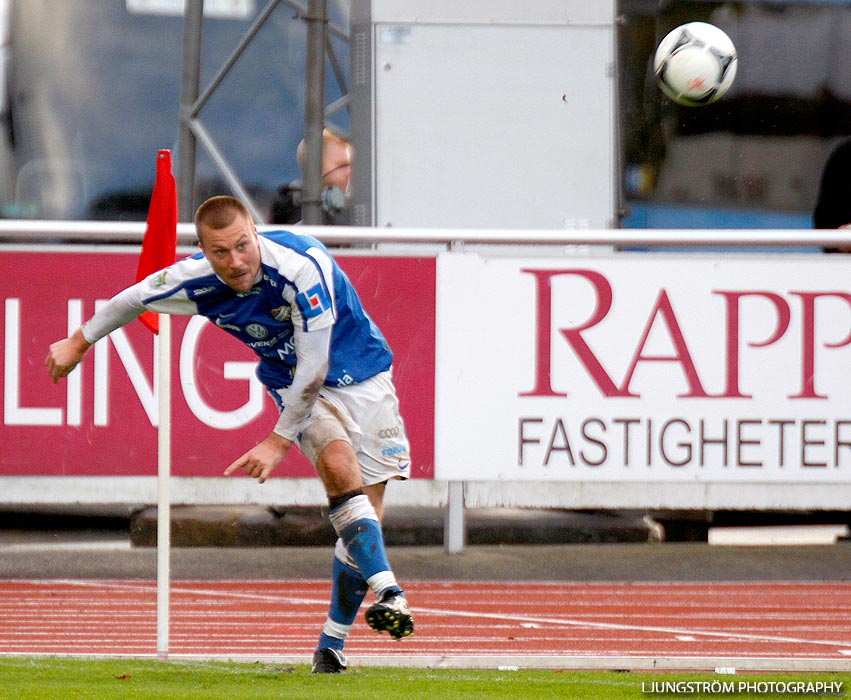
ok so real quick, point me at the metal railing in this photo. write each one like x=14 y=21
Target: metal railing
x=43 y=231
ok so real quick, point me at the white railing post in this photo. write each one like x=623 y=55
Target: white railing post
x=454 y=526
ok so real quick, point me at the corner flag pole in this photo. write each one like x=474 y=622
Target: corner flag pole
x=163 y=485
x=158 y=251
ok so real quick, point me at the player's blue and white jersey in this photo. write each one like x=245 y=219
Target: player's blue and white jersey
x=300 y=285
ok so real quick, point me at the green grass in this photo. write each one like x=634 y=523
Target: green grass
x=47 y=678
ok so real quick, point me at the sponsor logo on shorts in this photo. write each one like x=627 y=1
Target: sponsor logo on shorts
x=394 y=450
x=390 y=432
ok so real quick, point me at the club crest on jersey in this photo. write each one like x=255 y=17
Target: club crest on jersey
x=314 y=301
x=282 y=313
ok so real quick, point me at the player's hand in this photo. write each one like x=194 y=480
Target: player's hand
x=64 y=355
x=260 y=460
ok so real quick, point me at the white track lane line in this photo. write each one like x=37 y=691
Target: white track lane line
x=446 y=612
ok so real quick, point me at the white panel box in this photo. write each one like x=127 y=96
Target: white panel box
x=484 y=114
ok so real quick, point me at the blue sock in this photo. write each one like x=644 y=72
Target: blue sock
x=348 y=589
x=365 y=542
x=357 y=526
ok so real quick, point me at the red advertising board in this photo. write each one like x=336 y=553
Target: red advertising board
x=102 y=421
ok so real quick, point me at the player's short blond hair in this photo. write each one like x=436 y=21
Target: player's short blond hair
x=219 y=212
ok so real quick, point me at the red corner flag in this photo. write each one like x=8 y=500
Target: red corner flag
x=160 y=241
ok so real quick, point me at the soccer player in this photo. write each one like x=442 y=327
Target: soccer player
x=324 y=362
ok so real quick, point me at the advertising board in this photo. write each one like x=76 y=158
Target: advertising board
x=644 y=368
x=102 y=420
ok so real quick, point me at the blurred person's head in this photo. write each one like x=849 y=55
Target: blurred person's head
x=337 y=155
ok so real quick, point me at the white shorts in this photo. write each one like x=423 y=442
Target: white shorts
x=366 y=415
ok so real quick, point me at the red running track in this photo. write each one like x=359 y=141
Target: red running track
x=790 y=626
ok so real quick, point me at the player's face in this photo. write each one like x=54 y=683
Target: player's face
x=233 y=252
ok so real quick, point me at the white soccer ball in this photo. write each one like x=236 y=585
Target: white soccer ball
x=695 y=64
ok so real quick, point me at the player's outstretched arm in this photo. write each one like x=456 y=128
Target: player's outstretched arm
x=125 y=306
x=261 y=459
x=65 y=355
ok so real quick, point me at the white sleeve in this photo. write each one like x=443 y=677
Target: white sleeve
x=312 y=356
x=158 y=292
x=117 y=312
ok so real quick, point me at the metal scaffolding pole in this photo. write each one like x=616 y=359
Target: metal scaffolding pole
x=192 y=132
x=186 y=144
x=314 y=118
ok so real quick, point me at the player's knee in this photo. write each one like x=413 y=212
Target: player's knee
x=339 y=462
x=353 y=508
x=337 y=451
